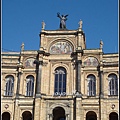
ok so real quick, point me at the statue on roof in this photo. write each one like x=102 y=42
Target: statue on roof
x=80 y=24
x=43 y=25
x=63 y=18
x=22 y=47
x=101 y=44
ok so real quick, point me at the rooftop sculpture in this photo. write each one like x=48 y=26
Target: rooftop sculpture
x=63 y=18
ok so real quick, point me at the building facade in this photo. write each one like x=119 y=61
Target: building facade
x=63 y=80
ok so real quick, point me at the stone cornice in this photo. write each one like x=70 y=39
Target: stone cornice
x=61 y=32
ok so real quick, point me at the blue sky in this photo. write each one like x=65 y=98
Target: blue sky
x=21 y=21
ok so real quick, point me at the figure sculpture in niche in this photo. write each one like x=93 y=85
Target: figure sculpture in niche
x=63 y=18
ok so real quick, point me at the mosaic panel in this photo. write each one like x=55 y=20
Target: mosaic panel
x=30 y=62
x=61 y=48
x=91 y=61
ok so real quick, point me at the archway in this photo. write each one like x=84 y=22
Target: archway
x=27 y=115
x=91 y=115
x=6 y=116
x=58 y=113
x=113 y=116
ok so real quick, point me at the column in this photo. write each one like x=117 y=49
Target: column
x=78 y=78
x=101 y=84
x=67 y=117
x=18 y=84
x=79 y=47
x=21 y=118
x=101 y=95
x=38 y=77
x=50 y=116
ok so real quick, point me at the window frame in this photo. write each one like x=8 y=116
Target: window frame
x=29 y=86
x=60 y=77
x=112 y=85
x=9 y=86
x=91 y=85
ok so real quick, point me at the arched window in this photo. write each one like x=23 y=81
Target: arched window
x=60 y=81
x=91 y=85
x=113 y=84
x=9 y=85
x=29 y=85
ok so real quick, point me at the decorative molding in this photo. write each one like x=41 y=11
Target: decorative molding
x=90 y=104
x=113 y=106
x=91 y=108
x=6 y=106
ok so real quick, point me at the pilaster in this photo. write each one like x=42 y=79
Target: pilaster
x=79 y=110
x=37 y=109
x=19 y=74
x=38 y=96
x=16 y=109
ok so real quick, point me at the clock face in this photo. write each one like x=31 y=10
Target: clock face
x=61 y=47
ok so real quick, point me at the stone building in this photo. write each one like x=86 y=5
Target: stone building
x=63 y=80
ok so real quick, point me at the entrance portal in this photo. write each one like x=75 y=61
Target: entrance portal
x=58 y=113
x=91 y=116
x=6 y=116
x=27 y=115
x=113 y=116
